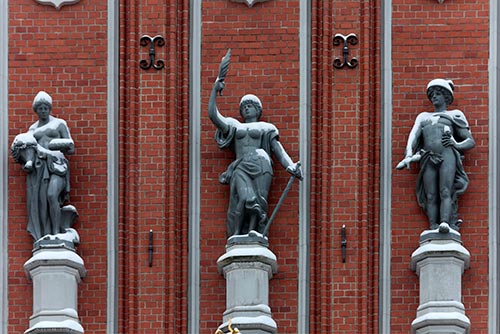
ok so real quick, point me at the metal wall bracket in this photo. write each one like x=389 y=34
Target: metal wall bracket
x=152 y=41
x=344 y=244
x=349 y=39
x=150 y=248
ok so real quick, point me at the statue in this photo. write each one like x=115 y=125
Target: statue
x=249 y=176
x=438 y=140
x=41 y=151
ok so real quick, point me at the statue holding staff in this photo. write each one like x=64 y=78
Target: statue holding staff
x=249 y=176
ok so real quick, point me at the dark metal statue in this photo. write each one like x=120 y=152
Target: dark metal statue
x=41 y=152
x=438 y=140
x=249 y=176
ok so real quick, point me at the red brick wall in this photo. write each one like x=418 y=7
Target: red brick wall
x=64 y=53
x=448 y=40
x=344 y=169
x=154 y=134
x=265 y=62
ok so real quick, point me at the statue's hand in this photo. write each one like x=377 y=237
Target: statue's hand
x=404 y=163
x=448 y=141
x=219 y=86
x=295 y=170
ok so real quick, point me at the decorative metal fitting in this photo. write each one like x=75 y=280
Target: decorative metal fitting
x=344 y=244
x=150 y=248
x=349 y=39
x=157 y=64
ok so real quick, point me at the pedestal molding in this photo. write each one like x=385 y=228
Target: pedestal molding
x=56 y=273
x=247 y=268
x=440 y=263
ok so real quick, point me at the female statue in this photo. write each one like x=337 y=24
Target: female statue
x=41 y=151
x=249 y=175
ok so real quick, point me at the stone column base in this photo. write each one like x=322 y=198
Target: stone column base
x=440 y=262
x=248 y=265
x=441 y=322
x=55 y=270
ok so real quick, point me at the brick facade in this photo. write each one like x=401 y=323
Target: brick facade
x=64 y=52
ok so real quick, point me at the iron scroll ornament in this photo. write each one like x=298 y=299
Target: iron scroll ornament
x=152 y=41
x=349 y=39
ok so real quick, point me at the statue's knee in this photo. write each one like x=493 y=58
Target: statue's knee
x=445 y=193
x=431 y=197
x=251 y=202
x=53 y=197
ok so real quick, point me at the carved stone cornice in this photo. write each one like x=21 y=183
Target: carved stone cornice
x=57 y=3
x=249 y=3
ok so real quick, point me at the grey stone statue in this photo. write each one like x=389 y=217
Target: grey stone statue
x=249 y=176
x=41 y=152
x=438 y=140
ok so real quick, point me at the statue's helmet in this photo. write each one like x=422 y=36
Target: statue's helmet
x=42 y=97
x=443 y=84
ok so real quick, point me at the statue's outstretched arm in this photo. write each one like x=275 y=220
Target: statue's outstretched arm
x=214 y=114
x=413 y=137
x=285 y=160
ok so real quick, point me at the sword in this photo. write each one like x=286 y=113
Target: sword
x=280 y=202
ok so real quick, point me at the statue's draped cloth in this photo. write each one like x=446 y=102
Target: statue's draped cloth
x=253 y=169
x=431 y=159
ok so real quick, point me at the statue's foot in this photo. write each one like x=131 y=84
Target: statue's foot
x=69 y=214
x=444 y=227
x=254 y=233
x=434 y=226
x=456 y=226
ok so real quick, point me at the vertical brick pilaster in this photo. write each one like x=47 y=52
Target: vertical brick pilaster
x=345 y=135
x=154 y=136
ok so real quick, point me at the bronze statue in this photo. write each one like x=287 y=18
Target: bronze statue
x=438 y=140
x=249 y=176
x=41 y=151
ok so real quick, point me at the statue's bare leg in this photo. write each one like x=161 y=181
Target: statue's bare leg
x=446 y=178
x=43 y=208
x=431 y=195
x=242 y=192
x=56 y=186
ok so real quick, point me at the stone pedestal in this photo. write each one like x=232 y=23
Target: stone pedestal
x=248 y=265
x=440 y=262
x=55 y=270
